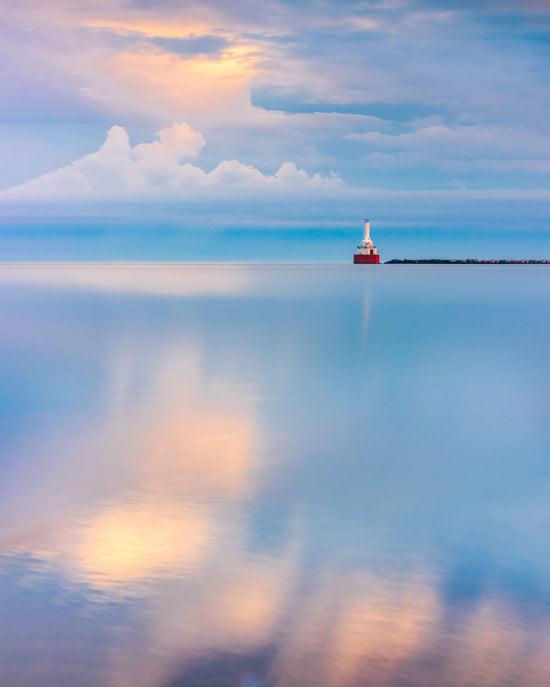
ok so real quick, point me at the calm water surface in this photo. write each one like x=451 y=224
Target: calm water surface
x=257 y=476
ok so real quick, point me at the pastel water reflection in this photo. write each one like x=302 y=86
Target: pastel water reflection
x=277 y=476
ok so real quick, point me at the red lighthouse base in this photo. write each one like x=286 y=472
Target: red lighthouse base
x=359 y=259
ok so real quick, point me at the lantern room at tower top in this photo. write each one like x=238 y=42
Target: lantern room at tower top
x=366 y=250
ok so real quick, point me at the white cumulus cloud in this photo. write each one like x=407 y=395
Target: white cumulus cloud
x=159 y=169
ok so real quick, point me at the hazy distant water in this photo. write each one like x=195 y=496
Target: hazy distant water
x=274 y=476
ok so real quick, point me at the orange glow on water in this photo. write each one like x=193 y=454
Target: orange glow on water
x=203 y=452
x=183 y=461
x=372 y=624
x=128 y=542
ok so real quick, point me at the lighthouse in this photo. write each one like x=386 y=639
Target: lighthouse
x=366 y=250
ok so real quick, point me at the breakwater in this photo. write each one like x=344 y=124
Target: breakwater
x=469 y=261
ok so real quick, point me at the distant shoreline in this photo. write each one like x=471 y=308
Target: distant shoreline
x=469 y=261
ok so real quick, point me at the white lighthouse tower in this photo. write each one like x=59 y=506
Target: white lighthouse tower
x=366 y=250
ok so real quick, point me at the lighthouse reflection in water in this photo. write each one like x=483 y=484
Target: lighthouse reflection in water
x=277 y=476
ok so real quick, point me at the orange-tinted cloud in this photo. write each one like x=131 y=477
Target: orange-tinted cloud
x=171 y=27
x=199 y=86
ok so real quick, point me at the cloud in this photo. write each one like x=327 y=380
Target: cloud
x=177 y=143
x=273 y=82
x=192 y=45
x=253 y=80
x=497 y=148
x=159 y=169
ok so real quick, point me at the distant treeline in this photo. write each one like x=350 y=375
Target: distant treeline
x=469 y=261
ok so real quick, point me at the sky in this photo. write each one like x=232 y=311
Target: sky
x=133 y=129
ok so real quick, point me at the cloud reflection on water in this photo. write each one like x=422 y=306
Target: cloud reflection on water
x=154 y=278
x=170 y=462
x=149 y=500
